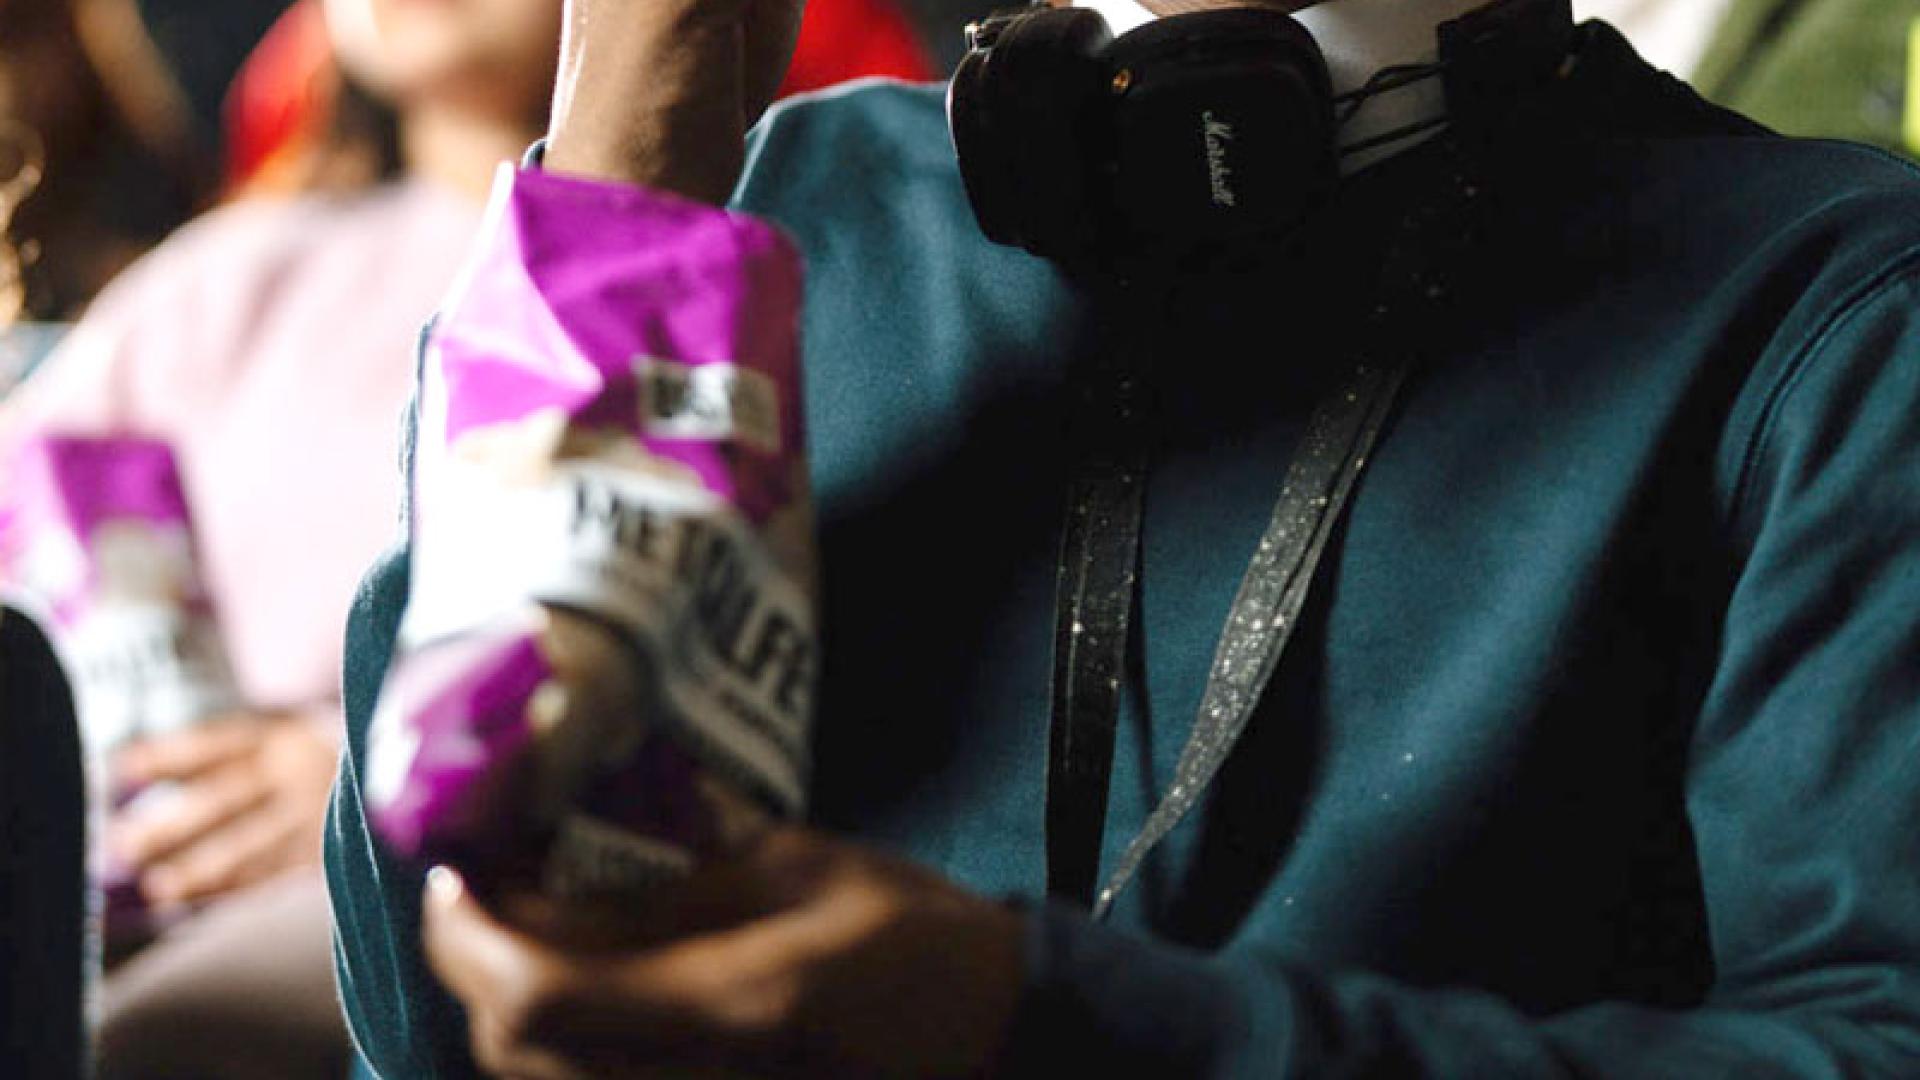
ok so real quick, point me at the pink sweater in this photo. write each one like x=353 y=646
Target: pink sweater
x=272 y=344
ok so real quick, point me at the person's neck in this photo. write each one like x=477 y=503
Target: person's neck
x=1363 y=37
x=1358 y=37
x=459 y=150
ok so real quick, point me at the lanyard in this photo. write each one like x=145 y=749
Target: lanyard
x=1097 y=579
x=1099 y=569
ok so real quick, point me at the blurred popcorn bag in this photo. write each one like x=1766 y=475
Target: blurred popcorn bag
x=95 y=533
x=606 y=667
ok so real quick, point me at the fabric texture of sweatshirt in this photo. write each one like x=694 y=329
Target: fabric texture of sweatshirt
x=1594 y=752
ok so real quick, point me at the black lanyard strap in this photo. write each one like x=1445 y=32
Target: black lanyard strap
x=1319 y=485
x=1096 y=582
x=1100 y=555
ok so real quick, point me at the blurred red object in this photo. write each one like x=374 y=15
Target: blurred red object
x=848 y=39
x=280 y=103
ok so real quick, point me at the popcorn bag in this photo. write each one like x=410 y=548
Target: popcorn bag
x=606 y=666
x=96 y=534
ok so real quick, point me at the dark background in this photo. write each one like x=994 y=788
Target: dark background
x=207 y=39
x=941 y=22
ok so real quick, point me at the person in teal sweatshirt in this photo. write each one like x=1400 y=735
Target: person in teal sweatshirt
x=1594 y=749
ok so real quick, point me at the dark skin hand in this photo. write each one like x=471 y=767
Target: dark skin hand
x=801 y=956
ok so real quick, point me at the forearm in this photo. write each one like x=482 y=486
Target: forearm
x=662 y=95
x=680 y=135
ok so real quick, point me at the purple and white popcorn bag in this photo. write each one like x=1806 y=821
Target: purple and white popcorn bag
x=607 y=662
x=96 y=534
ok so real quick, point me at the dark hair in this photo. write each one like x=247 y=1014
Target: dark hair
x=22 y=164
x=118 y=164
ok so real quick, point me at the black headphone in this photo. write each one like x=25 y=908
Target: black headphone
x=1192 y=130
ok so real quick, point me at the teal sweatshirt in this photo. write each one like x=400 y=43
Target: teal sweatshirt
x=1597 y=752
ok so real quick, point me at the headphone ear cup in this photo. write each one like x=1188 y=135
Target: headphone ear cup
x=986 y=161
x=1019 y=110
x=1226 y=129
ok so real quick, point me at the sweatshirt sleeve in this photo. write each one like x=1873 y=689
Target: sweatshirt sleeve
x=1803 y=793
x=402 y=1022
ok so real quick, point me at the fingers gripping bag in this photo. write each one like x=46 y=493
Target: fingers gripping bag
x=95 y=533
x=605 y=671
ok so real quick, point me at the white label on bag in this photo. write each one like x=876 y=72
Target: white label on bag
x=141 y=670
x=709 y=403
x=679 y=569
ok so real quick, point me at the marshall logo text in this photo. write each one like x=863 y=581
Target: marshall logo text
x=1217 y=134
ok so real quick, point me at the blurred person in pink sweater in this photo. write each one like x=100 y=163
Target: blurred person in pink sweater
x=271 y=343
